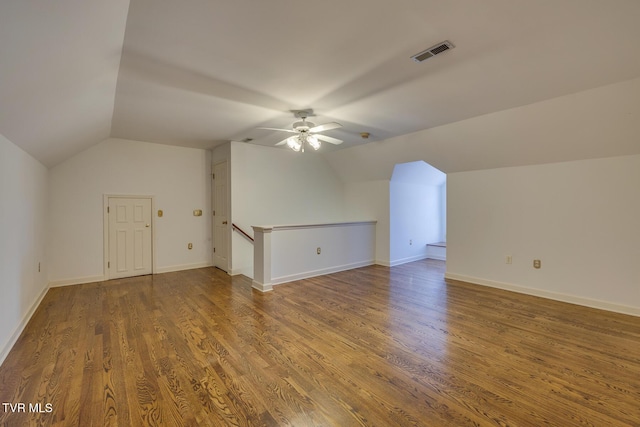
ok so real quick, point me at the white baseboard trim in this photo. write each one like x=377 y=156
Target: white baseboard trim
x=438 y=257
x=401 y=261
x=18 y=330
x=314 y=273
x=262 y=287
x=181 y=267
x=93 y=279
x=242 y=271
x=557 y=296
x=383 y=263
x=76 y=281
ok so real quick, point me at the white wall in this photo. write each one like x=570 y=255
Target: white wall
x=415 y=220
x=343 y=246
x=178 y=178
x=278 y=186
x=443 y=211
x=23 y=225
x=582 y=219
x=369 y=200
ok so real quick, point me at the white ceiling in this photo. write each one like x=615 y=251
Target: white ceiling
x=200 y=72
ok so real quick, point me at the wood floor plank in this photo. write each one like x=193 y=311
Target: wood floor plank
x=374 y=346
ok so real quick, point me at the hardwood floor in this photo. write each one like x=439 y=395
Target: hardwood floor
x=374 y=346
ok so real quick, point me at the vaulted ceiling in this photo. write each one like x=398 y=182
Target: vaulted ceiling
x=196 y=73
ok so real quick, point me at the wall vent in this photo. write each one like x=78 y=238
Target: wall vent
x=433 y=51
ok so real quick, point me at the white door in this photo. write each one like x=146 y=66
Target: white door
x=220 y=217
x=129 y=237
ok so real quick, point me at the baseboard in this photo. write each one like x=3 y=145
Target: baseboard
x=401 y=261
x=556 y=296
x=76 y=281
x=438 y=257
x=383 y=263
x=262 y=287
x=18 y=330
x=241 y=271
x=314 y=273
x=93 y=279
x=181 y=267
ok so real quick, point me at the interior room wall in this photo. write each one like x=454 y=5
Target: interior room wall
x=369 y=200
x=23 y=231
x=179 y=179
x=271 y=186
x=294 y=250
x=442 y=191
x=579 y=218
x=414 y=220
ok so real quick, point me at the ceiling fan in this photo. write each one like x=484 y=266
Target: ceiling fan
x=307 y=132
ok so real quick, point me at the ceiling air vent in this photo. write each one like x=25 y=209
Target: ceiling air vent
x=433 y=51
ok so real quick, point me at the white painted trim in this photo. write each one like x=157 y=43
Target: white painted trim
x=229 y=228
x=556 y=296
x=314 y=273
x=408 y=259
x=105 y=230
x=264 y=228
x=77 y=281
x=437 y=252
x=262 y=287
x=18 y=330
x=239 y=271
x=181 y=267
x=383 y=263
x=93 y=279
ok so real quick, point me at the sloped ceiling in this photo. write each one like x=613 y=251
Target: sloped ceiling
x=59 y=64
x=200 y=72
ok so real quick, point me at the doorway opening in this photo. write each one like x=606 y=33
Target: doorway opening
x=417 y=213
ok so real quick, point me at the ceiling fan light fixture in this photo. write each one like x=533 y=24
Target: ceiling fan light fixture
x=313 y=142
x=307 y=133
x=294 y=143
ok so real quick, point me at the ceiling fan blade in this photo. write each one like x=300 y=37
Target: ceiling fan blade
x=326 y=126
x=284 y=141
x=281 y=130
x=328 y=139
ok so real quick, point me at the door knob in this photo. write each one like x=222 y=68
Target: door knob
x=224 y=222
x=147 y=225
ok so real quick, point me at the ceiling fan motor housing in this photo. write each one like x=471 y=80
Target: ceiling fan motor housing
x=303 y=126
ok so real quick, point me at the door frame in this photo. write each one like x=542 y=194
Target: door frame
x=213 y=220
x=105 y=229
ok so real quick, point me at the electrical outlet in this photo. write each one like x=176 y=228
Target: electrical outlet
x=537 y=263
x=38 y=267
x=318 y=251
x=410 y=242
x=509 y=259
x=190 y=246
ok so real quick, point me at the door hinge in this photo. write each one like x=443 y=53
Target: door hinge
x=107 y=209
x=213 y=176
x=108 y=264
x=214 y=250
x=214 y=213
